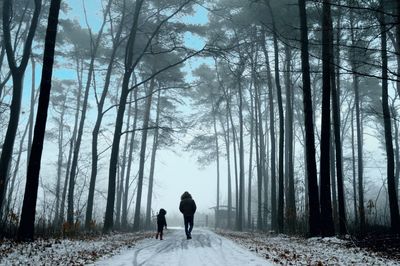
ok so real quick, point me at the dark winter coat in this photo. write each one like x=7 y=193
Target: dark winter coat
x=161 y=221
x=187 y=205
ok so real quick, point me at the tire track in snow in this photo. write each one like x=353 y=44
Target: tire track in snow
x=204 y=249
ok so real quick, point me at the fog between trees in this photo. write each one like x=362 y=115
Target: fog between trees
x=293 y=103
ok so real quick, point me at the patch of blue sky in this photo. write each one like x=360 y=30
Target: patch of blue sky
x=194 y=41
x=200 y=16
x=93 y=11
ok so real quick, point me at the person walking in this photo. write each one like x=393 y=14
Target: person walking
x=187 y=208
x=161 y=222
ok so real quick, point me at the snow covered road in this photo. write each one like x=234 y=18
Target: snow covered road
x=206 y=248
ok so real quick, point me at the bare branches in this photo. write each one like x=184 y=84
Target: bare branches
x=147 y=128
x=7 y=6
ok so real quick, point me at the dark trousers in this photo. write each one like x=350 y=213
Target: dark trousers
x=160 y=228
x=188 y=224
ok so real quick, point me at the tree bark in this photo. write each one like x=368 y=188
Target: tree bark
x=214 y=111
x=261 y=169
x=227 y=144
x=234 y=136
x=27 y=223
x=291 y=199
x=124 y=219
x=99 y=118
x=143 y=146
x=153 y=163
x=313 y=198
x=281 y=196
x=109 y=216
x=74 y=164
x=250 y=173
x=325 y=186
x=272 y=136
x=338 y=140
x=393 y=203
x=123 y=166
x=59 y=162
x=259 y=173
x=79 y=71
x=241 y=158
x=353 y=156
x=17 y=73
x=32 y=109
x=361 y=209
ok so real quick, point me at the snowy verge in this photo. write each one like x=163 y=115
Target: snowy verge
x=288 y=250
x=67 y=251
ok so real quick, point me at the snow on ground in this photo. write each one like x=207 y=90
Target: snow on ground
x=287 y=250
x=204 y=249
x=67 y=251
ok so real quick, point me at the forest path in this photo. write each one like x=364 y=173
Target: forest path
x=205 y=248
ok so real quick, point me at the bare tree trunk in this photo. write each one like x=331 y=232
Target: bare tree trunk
x=27 y=223
x=291 y=199
x=338 y=143
x=259 y=176
x=361 y=209
x=265 y=175
x=2 y=55
x=397 y=44
x=393 y=202
x=281 y=138
x=313 y=199
x=229 y=172
x=153 y=162
x=227 y=144
x=260 y=148
x=397 y=150
x=353 y=156
x=74 y=164
x=79 y=70
x=99 y=118
x=249 y=194
x=325 y=187
x=272 y=136
x=241 y=158
x=143 y=146
x=124 y=219
x=281 y=196
x=262 y=221
x=10 y=191
x=32 y=110
x=234 y=136
x=228 y=155
x=59 y=163
x=214 y=111
x=333 y=183
x=123 y=166
x=109 y=216
x=17 y=73
x=397 y=48
x=236 y=171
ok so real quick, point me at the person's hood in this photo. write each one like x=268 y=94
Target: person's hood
x=186 y=195
x=162 y=212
